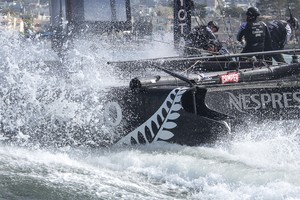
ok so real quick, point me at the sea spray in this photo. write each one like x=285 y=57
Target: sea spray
x=257 y=163
x=53 y=101
x=46 y=101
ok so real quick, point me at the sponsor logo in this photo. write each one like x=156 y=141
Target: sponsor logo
x=230 y=78
x=182 y=17
x=259 y=101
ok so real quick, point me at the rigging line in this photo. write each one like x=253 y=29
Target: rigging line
x=202 y=21
x=230 y=36
x=294 y=30
x=198 y=23
x=198 y=16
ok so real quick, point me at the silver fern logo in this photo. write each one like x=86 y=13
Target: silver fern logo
x=159 y=126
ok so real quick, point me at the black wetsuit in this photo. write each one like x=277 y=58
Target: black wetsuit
x=257 y=37
x=198 y=39
x=278 y=33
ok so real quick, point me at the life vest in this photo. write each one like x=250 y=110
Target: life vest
x=255 y=34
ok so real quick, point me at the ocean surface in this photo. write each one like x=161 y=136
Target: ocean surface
x=39 y=160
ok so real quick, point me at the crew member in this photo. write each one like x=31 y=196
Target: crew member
x=199 y=37
x=215 y=47
x=255 y=33
x=281 y=32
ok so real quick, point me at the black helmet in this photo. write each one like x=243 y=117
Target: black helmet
x=213 y=24
x=253 y=12
x=293 y=21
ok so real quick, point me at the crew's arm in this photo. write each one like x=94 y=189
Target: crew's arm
x=241 y=32
x=210 y=34
x=288 y=32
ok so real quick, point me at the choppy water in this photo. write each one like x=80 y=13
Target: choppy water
x=267 y=169
x=260 y=163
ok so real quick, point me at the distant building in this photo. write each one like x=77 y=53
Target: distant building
x=9 y=22
x=31 y=11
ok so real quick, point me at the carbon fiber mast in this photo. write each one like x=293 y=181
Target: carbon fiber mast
x=182 y=21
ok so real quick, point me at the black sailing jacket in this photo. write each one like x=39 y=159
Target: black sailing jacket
x=257 y=36
x=278 y=33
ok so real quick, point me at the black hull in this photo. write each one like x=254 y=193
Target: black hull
x=167 y=113
x=260 y=101
x=130 y=68
x=156 y=115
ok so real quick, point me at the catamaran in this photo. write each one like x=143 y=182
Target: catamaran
x=205 y=103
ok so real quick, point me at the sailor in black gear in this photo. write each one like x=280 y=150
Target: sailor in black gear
x=255 y=33
x=199 y=37
x=214 y=27
x=281 y=33
x=293 y=21
x=215 y=47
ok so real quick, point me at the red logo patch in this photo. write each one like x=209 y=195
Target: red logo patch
x=230 y=78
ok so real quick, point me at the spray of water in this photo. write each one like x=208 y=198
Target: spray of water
x=44 y=103
x=48 y=101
